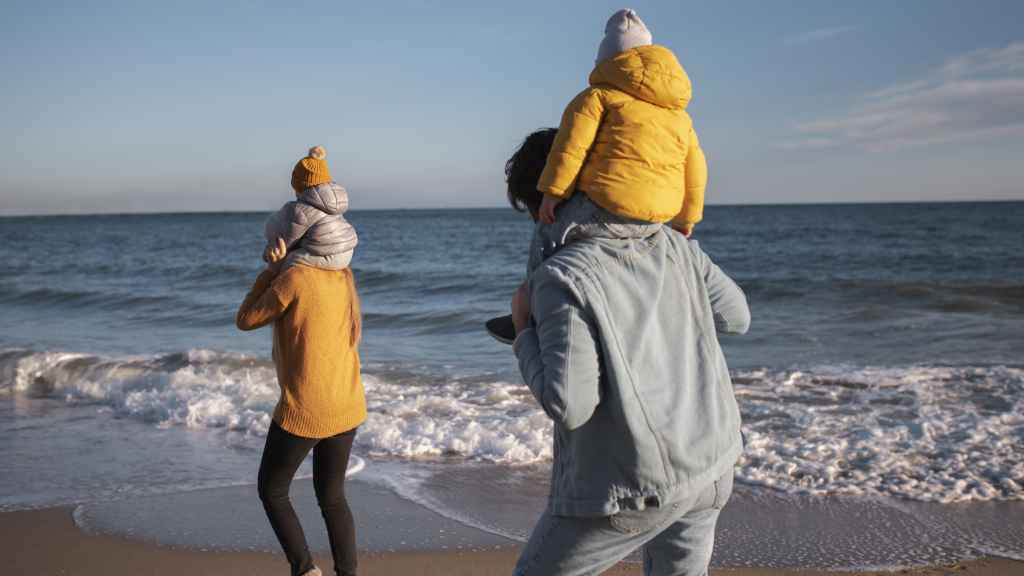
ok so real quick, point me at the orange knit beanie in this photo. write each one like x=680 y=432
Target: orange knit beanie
x=311 y=170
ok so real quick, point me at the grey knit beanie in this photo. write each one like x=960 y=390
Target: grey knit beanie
x=623 y=31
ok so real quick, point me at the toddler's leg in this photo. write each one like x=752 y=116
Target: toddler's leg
x=338 y=261
x=536 y=253
x=573 y=216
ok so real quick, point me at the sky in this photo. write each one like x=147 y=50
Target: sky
x=206 y=106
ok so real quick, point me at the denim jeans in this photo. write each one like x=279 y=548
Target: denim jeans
x=677 y=539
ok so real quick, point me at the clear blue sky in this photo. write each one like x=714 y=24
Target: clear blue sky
x=206 y=106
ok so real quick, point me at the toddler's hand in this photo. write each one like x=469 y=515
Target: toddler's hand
x=547 y=209
x=685 y=229
x=276 y=253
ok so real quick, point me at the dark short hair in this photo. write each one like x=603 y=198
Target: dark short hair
x=522 y=170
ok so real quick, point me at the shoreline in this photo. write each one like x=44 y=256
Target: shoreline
x=47 y=541
x=497 y=207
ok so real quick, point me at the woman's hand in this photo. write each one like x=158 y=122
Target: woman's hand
x=521 y=308
x=274 y=254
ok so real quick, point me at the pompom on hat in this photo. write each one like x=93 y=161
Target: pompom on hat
x=311 y=170
x=623 y=31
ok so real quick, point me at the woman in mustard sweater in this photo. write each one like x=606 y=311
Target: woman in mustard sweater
x=316 y=320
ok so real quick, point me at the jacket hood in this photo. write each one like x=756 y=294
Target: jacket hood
x=330 y=198
x=649 y=73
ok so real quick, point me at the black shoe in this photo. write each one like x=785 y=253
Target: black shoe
x=502 y=329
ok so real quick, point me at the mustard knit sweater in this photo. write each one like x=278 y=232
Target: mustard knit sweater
x=314 y=312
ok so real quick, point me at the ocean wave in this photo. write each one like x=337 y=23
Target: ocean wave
x=410 y=415
x=416 y=417
x=196 y=389
x=928 y=433
x=146 y=309
x=943 y=434
x=436 y=284
x=370 y=279
x=46 y=296
x=942 y=296
x=430 y=322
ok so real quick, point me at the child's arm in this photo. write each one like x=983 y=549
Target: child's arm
x=342 y=195
x=288 y=224
x=692 y=211
x=576 y=134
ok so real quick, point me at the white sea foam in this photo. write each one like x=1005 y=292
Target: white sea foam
x=199 y=389
x=495 y=421
x=921 y=433
x=409 y=418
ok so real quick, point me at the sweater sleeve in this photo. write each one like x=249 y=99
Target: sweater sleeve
x=576 y=134
x=290 y=224
x=696 y=183
x=264 y=303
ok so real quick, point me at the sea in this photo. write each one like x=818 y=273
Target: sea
x=883 y=372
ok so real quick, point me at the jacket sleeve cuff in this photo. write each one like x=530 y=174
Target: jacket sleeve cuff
x=527 y=350
x=525 y=342
x=552 y=191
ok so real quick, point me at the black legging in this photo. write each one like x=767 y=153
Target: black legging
x=281 y=458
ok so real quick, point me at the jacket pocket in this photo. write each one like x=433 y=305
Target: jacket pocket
x=723 y=490
x=640 y=521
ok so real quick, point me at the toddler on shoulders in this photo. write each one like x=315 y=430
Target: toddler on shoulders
x=312 y=226
x=626 y=143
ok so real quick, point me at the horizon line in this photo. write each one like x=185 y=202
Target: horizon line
x=500 y=207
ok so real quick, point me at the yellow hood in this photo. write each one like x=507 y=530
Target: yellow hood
x=649 y=73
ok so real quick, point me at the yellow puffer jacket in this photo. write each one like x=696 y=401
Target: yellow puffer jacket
x=628 y=143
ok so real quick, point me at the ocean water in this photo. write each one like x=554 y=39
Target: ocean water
x=885 y=361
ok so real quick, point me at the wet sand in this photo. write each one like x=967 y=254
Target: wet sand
x=47 y=541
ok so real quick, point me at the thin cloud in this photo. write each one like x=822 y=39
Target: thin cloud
x=816 y=35
x=976 y=95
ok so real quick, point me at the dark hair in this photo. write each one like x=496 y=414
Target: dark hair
x=522 y=170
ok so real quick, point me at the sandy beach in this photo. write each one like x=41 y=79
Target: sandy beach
x=223 y=531
x=37 y=542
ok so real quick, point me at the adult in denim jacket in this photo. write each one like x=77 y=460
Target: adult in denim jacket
x=617 y=339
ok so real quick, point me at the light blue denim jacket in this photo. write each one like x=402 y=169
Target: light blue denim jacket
x=623 y=355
